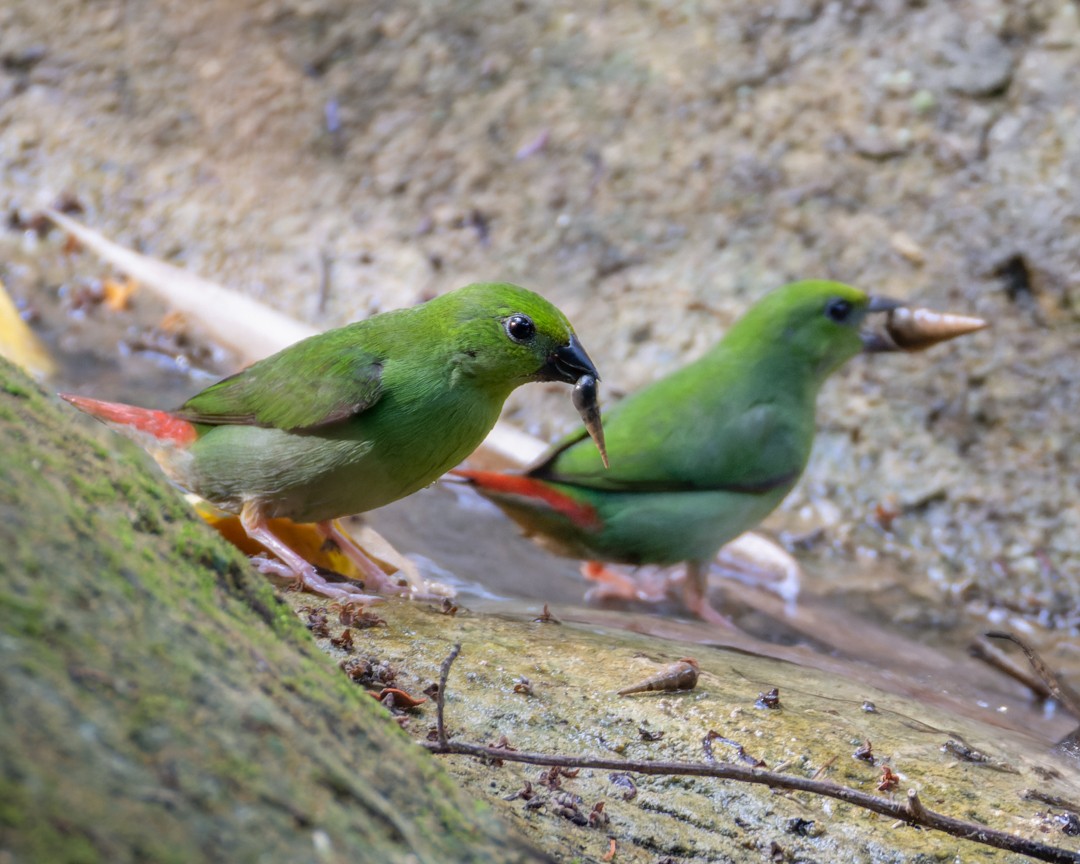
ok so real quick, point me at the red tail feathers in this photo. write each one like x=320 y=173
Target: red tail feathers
x=581 y=514
x=160 y=425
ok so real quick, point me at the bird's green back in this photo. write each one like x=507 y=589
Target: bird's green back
x=455 y=339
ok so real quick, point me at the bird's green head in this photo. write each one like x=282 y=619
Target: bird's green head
x=506 y=336
x=816 y=323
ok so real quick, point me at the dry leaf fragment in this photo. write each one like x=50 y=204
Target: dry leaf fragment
x=402 y=699
x=117 y=295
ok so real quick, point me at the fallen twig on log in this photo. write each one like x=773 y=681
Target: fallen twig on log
x=911 y=810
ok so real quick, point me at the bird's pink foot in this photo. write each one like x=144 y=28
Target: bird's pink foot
x=655 y=585
x=405 y=583
x=375 y=578
x=611 y=584
x=290 y=564
x=309 y=578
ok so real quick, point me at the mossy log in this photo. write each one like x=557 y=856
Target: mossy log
x=160 y=703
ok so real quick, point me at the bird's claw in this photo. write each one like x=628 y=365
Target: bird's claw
x=697 y=602
x=311 y=580
x=654 y=585
x=272 y=567
x=610 y=584
x=405 y=582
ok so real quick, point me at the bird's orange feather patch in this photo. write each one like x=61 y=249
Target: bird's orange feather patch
x=162 y=425
x=582 y=515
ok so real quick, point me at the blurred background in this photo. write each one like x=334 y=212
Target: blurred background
x=653 y=168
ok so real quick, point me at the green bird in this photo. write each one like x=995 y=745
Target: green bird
x=707 y=452
x=354 y=418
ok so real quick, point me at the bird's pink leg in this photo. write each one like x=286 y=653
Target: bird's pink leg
x=375 y=578
x=695 y=596
x=305 y=573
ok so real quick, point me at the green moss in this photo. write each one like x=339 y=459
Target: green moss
x=12 y=805
x=53 y=845
x=146 y=663
x=22 y=615
x=95 y=489
x=18 y=389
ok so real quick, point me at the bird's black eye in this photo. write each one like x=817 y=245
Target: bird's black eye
x=838 y=311
x=520 y=328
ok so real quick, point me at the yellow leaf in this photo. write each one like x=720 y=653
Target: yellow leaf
x=304 y=539
x=18 y=342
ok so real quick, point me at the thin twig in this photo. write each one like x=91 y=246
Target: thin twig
x=825 y=767
x=994 y=657
x=911 y=811
x=1068 y=698
x=1052 y=800
x=440 y=698
x=915 y=806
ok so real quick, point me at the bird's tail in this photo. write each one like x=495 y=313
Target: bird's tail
x=517 y=492
x=144 y=425
x=164 y=436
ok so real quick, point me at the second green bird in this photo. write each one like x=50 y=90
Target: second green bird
x=706 y=453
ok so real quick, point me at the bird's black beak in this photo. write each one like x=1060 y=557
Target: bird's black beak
x=571 y=364
x=883 y=304
x=568 y=363
x=875 y=342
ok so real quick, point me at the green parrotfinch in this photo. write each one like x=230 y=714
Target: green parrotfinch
x=354 y=418
x=707 y=452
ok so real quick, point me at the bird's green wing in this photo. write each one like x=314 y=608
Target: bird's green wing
x=753 y=451
x=315 y=383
